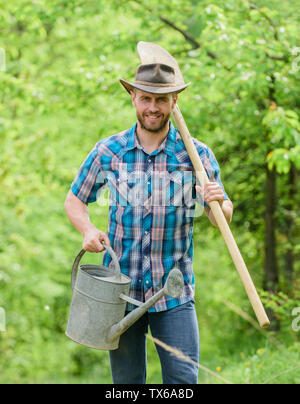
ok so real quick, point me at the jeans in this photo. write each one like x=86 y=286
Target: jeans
x=178 y=328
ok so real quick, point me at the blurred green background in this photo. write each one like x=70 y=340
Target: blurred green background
x=60 y=94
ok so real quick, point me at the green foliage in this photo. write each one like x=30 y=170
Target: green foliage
x=284 y=129
x=283 y=305
x=60 y=95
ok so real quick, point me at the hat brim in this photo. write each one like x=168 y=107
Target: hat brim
x=153 y=90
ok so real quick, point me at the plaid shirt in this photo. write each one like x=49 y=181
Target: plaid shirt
x=151 y=208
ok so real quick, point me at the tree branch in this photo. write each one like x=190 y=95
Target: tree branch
x=188 y=37
x=269 y=19
x=185 y=34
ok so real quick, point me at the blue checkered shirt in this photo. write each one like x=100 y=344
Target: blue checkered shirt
x=152 y=208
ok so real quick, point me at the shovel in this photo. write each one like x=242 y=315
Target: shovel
x=152 y=53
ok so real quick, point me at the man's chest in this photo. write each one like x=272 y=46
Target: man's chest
x=158 y=180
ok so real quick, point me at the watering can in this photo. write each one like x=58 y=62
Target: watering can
x=100 y=295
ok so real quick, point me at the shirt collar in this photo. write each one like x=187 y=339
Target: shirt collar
x=167 y=146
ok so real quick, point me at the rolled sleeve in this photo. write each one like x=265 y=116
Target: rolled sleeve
x=89 y=179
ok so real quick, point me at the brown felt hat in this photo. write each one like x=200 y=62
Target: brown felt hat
x=155 y=78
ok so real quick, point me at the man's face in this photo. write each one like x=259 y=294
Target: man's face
x=153 y=110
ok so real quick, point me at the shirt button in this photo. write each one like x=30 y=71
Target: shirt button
x=147 y=282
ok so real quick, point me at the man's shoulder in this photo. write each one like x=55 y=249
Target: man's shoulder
x=201 y=147
x=113 y=143
x=118 y=138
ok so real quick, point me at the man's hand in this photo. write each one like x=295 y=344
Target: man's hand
x=212 y=191
x=93 y=239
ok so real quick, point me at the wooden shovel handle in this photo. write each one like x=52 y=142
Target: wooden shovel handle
x=222 y=223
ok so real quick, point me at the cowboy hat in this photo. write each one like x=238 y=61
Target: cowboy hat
x=155 y=78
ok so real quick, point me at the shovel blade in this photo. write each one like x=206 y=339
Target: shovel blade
x=152 y=53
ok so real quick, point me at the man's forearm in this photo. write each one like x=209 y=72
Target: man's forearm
x=78 y=214
x=227 y=208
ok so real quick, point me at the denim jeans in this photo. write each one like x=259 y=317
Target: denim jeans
x=178 y=328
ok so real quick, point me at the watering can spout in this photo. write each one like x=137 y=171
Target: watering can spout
x=173 y=287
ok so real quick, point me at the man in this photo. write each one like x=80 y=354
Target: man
x=150 y=222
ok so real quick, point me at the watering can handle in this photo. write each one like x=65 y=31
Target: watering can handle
x=81 y=254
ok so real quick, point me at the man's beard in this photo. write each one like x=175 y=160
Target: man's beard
x=143 y=124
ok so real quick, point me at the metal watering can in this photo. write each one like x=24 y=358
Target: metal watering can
x=100 y=295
